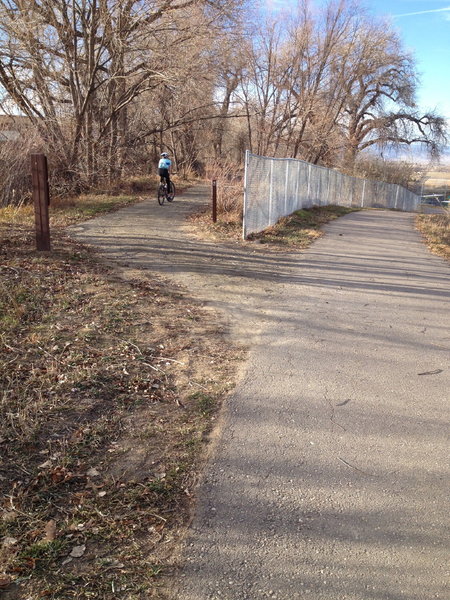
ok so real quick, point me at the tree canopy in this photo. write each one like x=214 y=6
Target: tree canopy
x=107 y=84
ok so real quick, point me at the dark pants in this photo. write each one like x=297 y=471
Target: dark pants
x=164 y=176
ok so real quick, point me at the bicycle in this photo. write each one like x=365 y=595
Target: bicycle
x=163 y=194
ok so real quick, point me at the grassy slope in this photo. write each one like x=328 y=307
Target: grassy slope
x=436 y=232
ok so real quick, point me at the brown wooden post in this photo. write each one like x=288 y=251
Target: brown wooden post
x=214 y=201
x=41 y=198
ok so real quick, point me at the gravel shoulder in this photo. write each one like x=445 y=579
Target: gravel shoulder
x=329 y=480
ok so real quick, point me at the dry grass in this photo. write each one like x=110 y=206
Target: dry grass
x=444 y=174
x=229 y=178
x=228 y=226
x=302 y=228
x=436 y=232
x=296 y=231
x=68 y=210
x=109 y=389
x=437 y=181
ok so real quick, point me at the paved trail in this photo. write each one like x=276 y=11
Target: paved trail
x=330 y=480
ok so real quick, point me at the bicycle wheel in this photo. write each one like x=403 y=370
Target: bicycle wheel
x=171 y=196
x=161 y=194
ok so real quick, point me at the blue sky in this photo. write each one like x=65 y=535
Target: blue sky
x=424 y=26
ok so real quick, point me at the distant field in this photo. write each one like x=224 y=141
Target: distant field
x=444 y=174
x=437 y=180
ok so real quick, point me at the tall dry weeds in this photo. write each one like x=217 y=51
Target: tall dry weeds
x=436 y=231
x=15 y=169
x=230 y=178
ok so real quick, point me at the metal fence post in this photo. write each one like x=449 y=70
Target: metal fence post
x=309 y=186
x=329 y=187
x=271 y=192
x=245 y=206
x=286 y=184
x=41 y=199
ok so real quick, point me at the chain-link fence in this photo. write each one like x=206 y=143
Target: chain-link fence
x=276 y=187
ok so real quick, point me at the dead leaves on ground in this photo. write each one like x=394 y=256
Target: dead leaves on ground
x=99 y=431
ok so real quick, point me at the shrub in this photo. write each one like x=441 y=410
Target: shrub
x=401 y=172
x=15 y=171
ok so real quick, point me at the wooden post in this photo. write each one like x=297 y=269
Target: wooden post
x=214 y=201
x=41 y=198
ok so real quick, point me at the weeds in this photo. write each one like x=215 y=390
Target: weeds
x=298 y=230
x=229 y=178
x=301 y=228
x=436 y=232
x=100 y=435
x=205 y=402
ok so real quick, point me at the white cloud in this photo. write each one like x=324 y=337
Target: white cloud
x=426 y=12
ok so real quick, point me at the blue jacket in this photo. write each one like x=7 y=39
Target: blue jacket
x=164 y=163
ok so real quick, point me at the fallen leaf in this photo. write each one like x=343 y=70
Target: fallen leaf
x=77 y=435
x=46 y=464
x=50 y=531
x=60 y=474
x=113 y=563
x=5 y=581
x=9 y=516
x=78 y=551
x=93 y=473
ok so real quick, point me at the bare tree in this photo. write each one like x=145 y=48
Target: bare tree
x=380 y=107
x=104 y=81
x=75 y=67
x=188 y=115
x=230 y=64
x=330 y=83
x=292 y=96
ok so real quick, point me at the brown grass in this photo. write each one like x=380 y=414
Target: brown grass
x=436 y=232
x=110 y=387
x=297 y=231
x=228 y=226
x=438 y=181
x=444 y=174
x=302 y=228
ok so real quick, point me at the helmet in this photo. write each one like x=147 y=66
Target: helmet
x=164 y=154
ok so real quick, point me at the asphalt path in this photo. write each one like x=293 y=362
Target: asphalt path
x=329 y=480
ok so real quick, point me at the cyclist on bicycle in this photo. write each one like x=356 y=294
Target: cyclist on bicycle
x=164 y=169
